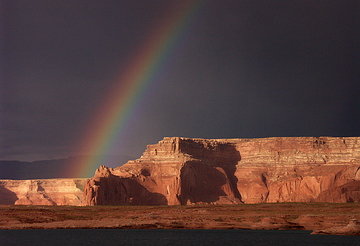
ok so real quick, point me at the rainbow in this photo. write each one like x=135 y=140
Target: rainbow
x=130 y=86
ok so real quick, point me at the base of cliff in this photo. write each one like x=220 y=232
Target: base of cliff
x=266 y=216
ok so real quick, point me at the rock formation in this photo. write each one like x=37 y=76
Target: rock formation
x=352 y=229
x=221 y=171
x=42 y=192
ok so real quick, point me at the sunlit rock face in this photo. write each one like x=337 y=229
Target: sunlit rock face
x=224 y=171
x=42 y=192
x=179 y=171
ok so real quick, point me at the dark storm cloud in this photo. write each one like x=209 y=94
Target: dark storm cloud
x=60 y=59
x=241 y=69
x=270 y=69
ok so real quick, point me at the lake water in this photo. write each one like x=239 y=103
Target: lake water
x=169 y=237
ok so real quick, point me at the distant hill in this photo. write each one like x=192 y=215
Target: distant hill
x=47 y=169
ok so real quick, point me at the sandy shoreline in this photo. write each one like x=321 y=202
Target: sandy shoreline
x=318 y=217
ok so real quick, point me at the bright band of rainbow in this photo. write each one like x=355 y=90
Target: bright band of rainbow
x=130 y=86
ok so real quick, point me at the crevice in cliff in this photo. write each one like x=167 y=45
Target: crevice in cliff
x=357 y=174
x=43 y=193
x=230 y=172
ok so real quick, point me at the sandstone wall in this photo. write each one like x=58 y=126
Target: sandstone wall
x=220 y=171
x=42 y=192
x=189 y=171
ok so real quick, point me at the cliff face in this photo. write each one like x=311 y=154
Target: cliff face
x=42 y=192
x=220 y=171
x=174 y=171
x=191 y=171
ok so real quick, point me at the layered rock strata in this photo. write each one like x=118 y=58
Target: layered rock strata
x=42 y=192
x=222 y=171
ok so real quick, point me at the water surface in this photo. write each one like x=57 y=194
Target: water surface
x=111 y=237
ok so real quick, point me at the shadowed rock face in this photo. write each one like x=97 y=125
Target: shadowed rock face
x=108 y=189
x=7 y=196
x=192 y=171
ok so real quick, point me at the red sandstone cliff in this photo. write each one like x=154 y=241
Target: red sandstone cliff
x=187 y=171
x=42 y=192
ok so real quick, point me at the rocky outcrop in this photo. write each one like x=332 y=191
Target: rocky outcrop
x=42 y=192
x=352 y=229
x=222 y=171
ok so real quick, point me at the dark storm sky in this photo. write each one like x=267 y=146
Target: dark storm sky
x=242 y=69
